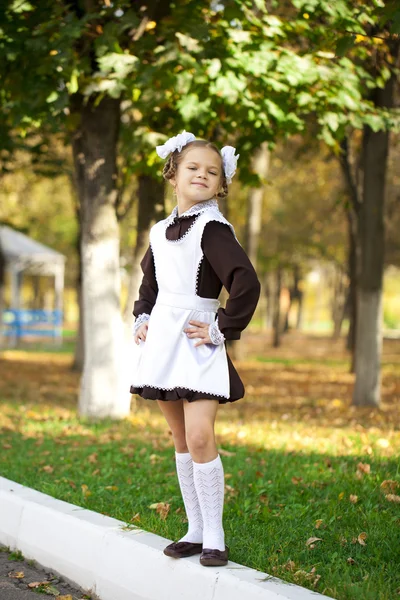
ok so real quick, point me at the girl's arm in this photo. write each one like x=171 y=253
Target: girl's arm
x=235 y=271
x=147 y=292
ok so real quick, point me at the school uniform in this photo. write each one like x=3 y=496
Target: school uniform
x=189 y=259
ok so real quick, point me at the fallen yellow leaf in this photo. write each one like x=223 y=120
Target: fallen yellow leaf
x=392 y=498
x=363 y=469
x=135 y=518
x=337 y=403
x=389 y=485
x=361 y=538
x=162 y=508
x=312 y=540
x=85 y=490
x=17 y=574
x=353 y=498
x=318 y=523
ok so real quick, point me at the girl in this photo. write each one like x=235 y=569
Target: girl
x=180 y=330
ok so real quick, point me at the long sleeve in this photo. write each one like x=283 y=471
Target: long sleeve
x=234 y=269
x=148 y=289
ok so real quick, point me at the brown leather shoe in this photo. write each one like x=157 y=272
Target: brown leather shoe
x=182 y=549
x=214 y=558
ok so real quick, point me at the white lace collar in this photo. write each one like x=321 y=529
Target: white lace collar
x=197 y=209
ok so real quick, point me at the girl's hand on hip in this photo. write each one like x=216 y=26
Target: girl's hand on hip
x=141 y=333
x=198 y=330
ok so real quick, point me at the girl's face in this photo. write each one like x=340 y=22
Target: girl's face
x=198 y=176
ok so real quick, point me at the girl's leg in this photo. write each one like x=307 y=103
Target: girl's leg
x=199 y=426
x=175 y=417
x=174 y=414
x=208 y=471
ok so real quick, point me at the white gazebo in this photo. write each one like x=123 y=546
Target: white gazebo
x=22 y=255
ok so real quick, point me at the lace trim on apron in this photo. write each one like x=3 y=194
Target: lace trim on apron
x=197 y=210
x=180 y=240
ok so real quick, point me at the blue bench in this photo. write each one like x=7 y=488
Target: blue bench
x=34 y=323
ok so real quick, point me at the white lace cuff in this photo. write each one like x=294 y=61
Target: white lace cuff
x=143 y=318
x=216 y=336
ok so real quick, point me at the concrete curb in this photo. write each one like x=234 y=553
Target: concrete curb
x=95 y=552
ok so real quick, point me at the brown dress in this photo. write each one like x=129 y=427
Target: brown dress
x=225 y=263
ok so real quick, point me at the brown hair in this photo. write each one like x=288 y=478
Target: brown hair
x=172 y=163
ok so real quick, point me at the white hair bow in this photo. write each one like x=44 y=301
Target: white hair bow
x=229 y=160
x=175 y=143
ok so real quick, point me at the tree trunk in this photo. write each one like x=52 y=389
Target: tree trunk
x=260 y=166
x=286 y=326
x=352 y=291
x=298 y=294
x=295 y=296
x=371 y=239
x=354 y=186
x=150 y=207
x=103 y=392
x=277 y=308
x=79 y=355
x=338 y=302
x=267 y=314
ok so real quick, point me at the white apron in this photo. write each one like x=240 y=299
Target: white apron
x=168 y=358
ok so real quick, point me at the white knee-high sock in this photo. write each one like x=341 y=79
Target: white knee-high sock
x=210 y=487
x=184 y=468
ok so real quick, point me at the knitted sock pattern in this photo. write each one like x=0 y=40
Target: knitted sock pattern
x=184 y=468
x=210 y=487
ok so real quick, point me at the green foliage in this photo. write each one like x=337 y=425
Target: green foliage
x=234 y=70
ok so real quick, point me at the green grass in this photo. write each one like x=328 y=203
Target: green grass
x=16 y=555
x=273 y=499
x=290 y=362
x=328 y=362
x=67 y=347
x=290 y=452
